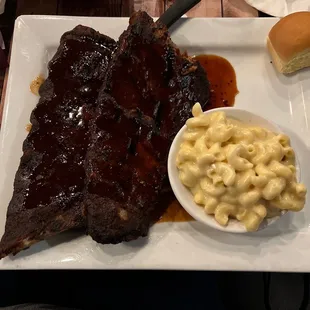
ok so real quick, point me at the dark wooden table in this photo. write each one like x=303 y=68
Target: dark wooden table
x=249 y=291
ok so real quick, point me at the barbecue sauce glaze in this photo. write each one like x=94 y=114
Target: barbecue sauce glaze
x=59 y=131
x=223 y=86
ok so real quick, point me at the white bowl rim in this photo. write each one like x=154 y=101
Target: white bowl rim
x=233 y=226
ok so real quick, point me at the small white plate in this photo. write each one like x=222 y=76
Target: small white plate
x=185 y=197
x=188 y=245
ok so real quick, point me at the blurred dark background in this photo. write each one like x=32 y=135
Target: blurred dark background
x=156 y=289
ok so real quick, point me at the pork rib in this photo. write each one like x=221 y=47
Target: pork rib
x=50 y=179
x=146 y=98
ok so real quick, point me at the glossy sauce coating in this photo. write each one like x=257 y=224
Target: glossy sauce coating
x=222 y=78
x=58 y=137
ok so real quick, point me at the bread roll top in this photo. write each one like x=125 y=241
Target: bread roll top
x=291 y=35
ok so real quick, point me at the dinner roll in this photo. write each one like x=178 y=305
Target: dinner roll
x=289 y=42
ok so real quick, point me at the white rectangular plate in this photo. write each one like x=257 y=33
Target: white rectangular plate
x=283 y=246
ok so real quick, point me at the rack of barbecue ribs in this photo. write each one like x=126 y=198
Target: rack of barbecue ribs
x=96 y=156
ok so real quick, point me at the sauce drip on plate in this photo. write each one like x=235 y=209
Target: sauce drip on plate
x=36 y=84
x=222 y=77
x=28 y=127
x=175 y=213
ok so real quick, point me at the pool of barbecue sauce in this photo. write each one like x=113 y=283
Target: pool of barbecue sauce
x=223 y=86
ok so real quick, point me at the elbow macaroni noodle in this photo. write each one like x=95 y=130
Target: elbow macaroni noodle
x=238 y=171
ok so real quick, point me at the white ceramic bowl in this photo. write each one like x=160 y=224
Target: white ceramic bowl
x=185 y=197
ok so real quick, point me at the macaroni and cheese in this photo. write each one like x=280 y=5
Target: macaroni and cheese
x=238 y=171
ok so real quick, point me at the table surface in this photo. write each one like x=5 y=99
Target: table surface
x=280 y=284
x=205 y=8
